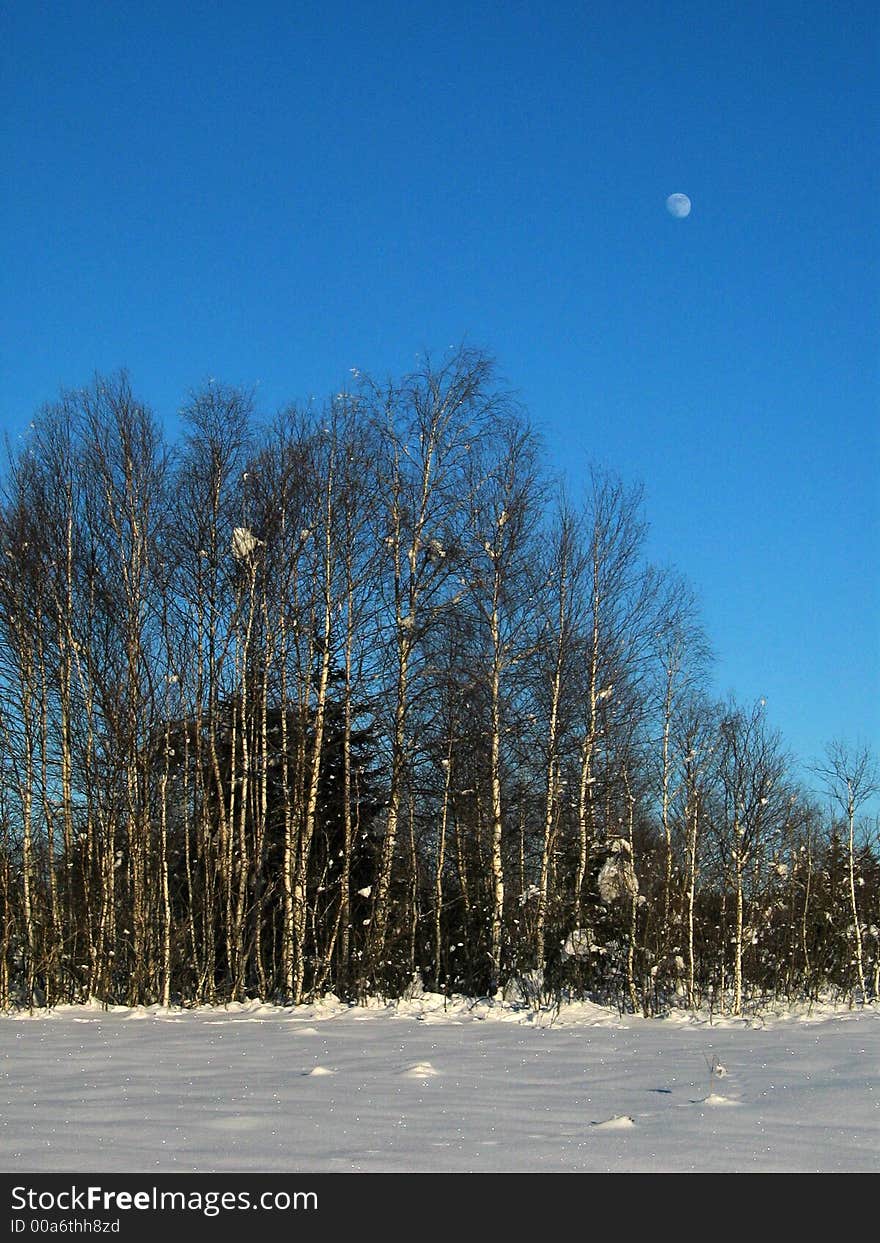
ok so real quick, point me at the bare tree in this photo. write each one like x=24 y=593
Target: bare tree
x=504 y=493
x=751 y=770
x=619 y=595
x=125 y=453
x=695 y=739
x=563 y=606
x=207 y=491
x=427 y=427
x=851 y=778
x=682 y=653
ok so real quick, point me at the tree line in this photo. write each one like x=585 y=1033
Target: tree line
x=362 y=698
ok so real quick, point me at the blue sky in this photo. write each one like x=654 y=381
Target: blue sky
x=274 y=193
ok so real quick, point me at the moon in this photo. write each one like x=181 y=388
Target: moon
x=678 y=205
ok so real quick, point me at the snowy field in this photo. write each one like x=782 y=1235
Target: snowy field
x=417 y=1087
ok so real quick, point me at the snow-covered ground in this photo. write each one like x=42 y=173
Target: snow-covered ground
x=420 y=1087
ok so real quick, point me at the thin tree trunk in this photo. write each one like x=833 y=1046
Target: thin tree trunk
x=552 y=769
x=851 y=874
x=441 y=862
x=163 y=864
x=693 y=826
x=300 y=891
x=739 y=869
x=497 y=860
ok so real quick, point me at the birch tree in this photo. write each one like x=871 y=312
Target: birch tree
x=751 y=771
x=505 y=506
x=616 y=613
x=851 y=778
x=682 y=656
x=426 y=428
x=562 y=627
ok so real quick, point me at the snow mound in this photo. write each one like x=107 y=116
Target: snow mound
x=620 y=1122
x=457 y=1009
x=714 y=1099
x=421 y=1070
x=305 y=1031
x=319 y=1070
